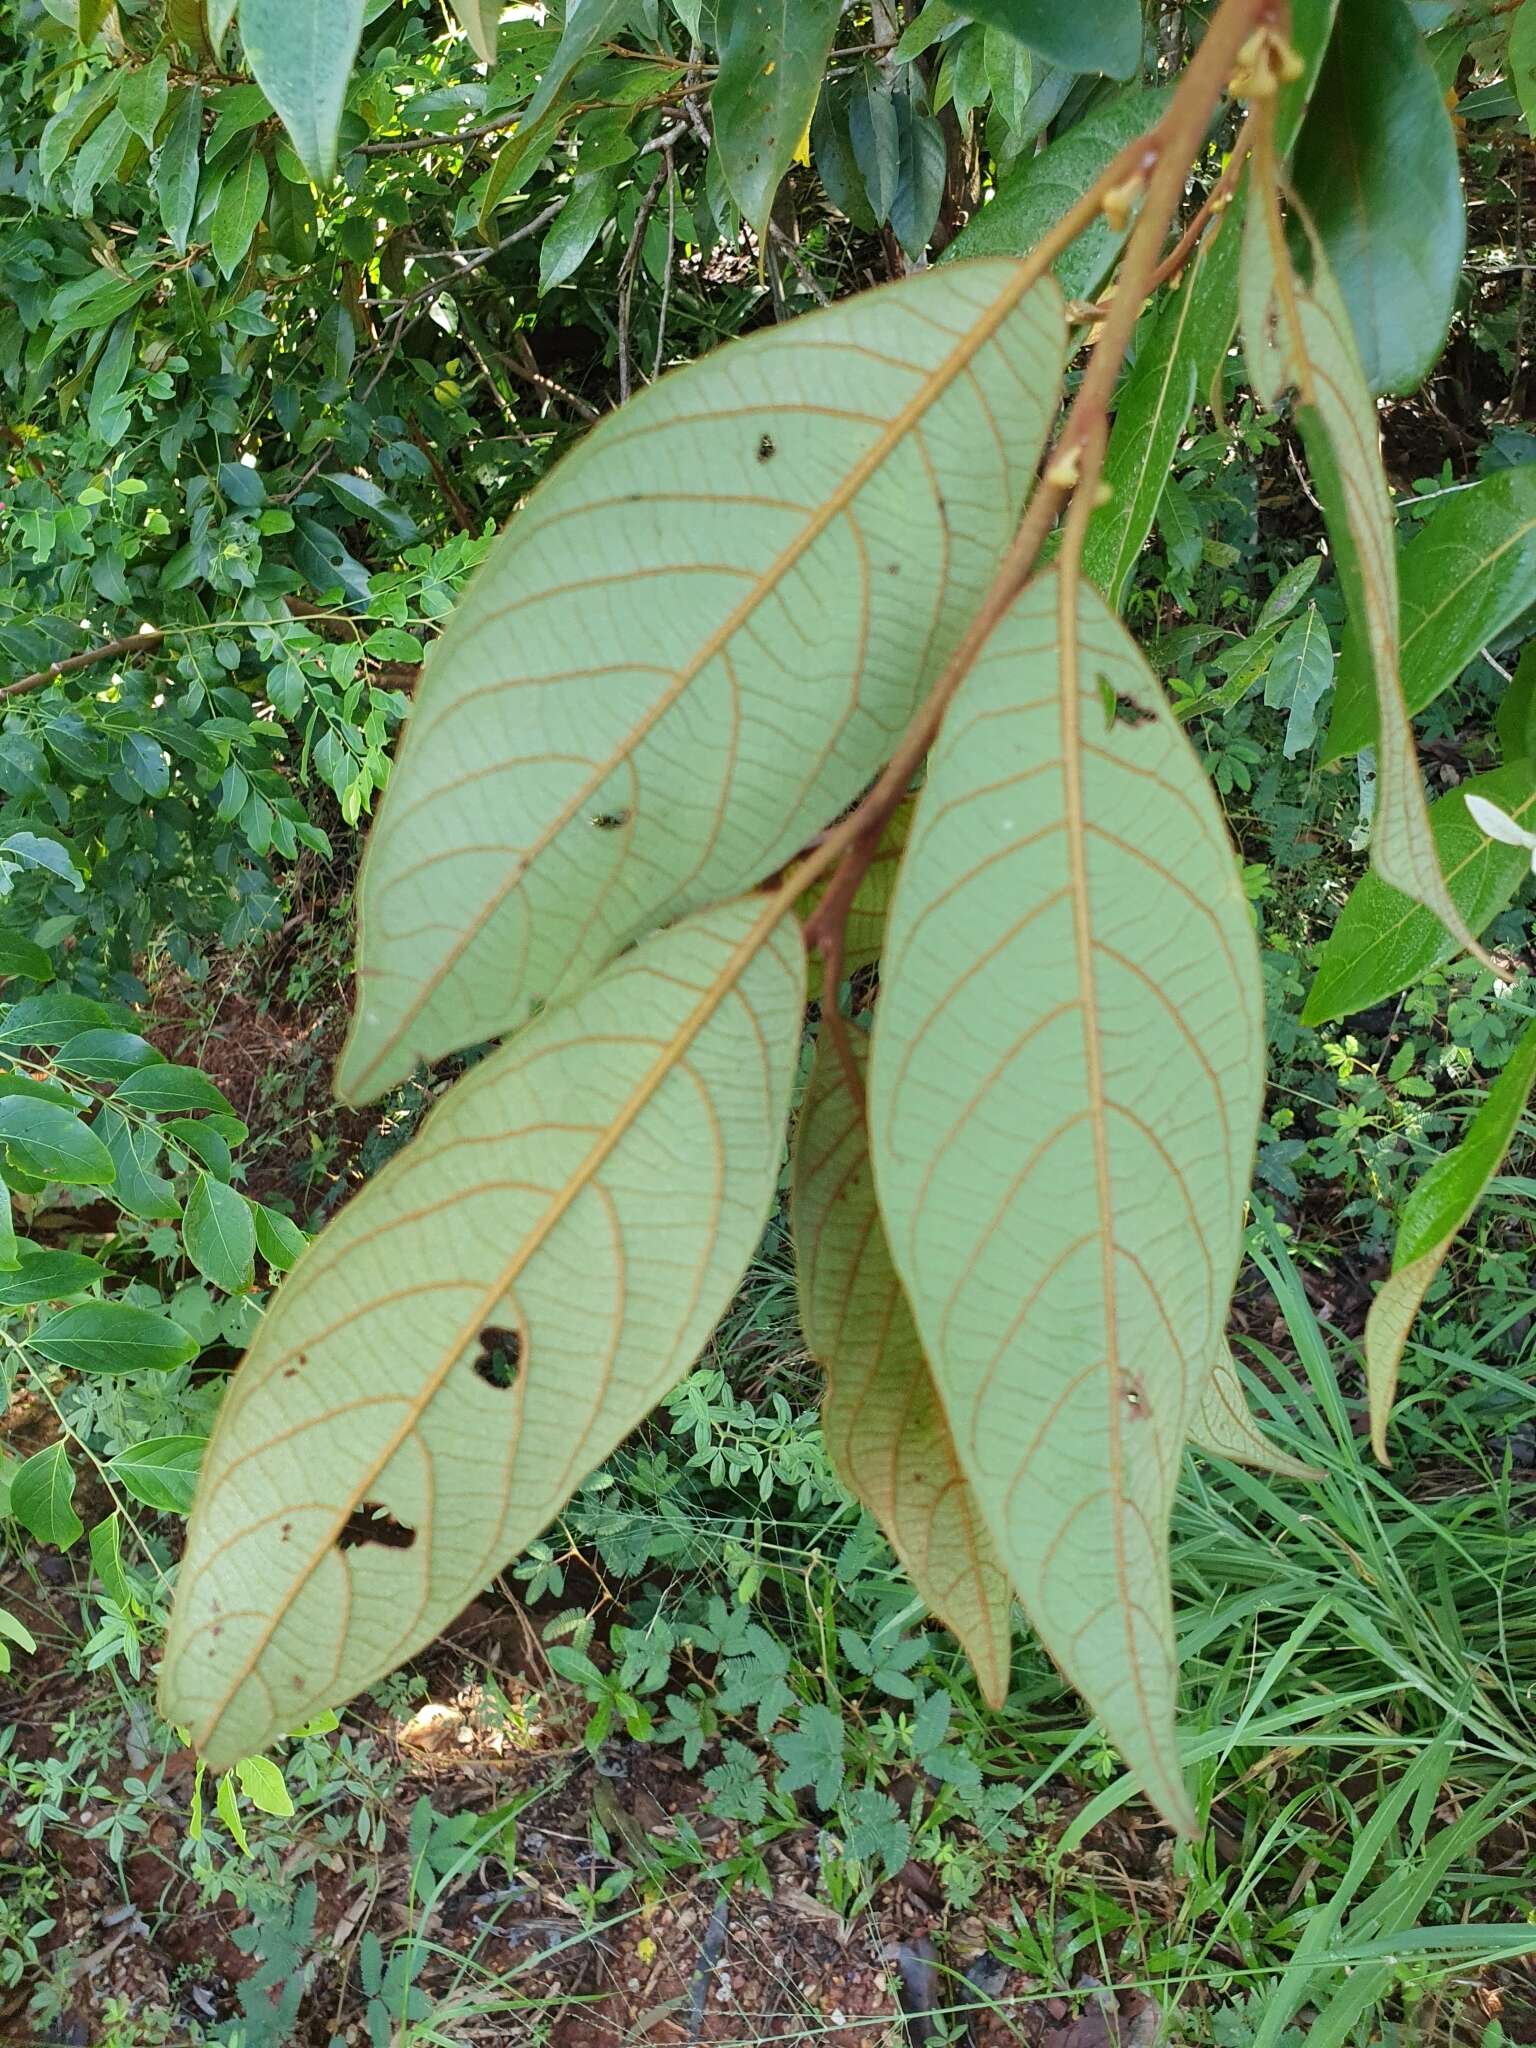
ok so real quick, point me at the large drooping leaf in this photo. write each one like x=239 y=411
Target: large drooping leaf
x=489 y=1317
x=479 y=19
x=1174 y=369
x=241 y=203
x=587 y=23
x=1063 y=1099
x=1465 y=575
x=884 y=1425
x=921 y=163
x=1041 y=188
x=1224 y=1426
x=176 y=167
x=1376 y=168
x=1440 y=1204
x=694 y=646
x=301 y=56
x=1383 y=940
x=772 y=57
x=1300 y=336
x=1081 y=35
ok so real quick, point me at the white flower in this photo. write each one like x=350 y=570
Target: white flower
x=1499 y=825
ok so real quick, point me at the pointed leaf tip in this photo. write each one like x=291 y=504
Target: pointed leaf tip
x=884 y=1424
x=488 y=1318
x=1064 y=1093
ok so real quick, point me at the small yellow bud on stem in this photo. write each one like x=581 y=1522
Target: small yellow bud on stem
x=1265 y=63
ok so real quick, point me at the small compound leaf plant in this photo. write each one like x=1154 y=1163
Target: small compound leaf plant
x=811 y=654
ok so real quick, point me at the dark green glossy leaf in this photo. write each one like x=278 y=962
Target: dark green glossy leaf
x=43 y=1275
x=219 y=1234
x=1376 y=169
x=107 y=1055
x=1465 y=575
x=113 y=1337
x=166 y=1089
x=1436 y=1210
x=1515 y=719
x=302 y=58
x=135 y=1152
x=42 y=1498
x=1174 y=370
x=836 y=163
x=278 y=1238
x=587 y=23
x=876 y=138
x=141 y=101
x=920 y=176
x=519 y=157
x=51 y=1142
x=1035 y=195
x=21 y=956
x=161 y=1472
x=577 y=226
x=362 y=497
x=241 y=203
x=51 y=1019
x=772 y=57
x=1383 y=940
x=1081 y=35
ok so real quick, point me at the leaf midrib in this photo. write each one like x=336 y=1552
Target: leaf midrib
x=935 y=385
x=724 y=982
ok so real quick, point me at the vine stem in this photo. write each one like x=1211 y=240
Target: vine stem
x=1156 y=165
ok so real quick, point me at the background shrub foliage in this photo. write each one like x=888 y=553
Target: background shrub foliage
x=300 y=302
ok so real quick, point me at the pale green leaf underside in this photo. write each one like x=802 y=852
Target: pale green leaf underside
x=694 y=646
x=885 y=1430
x=1434 y=1213
x=1064 y=1095
x=589 y=1196
x=1300 y=336
x=1339 y=427
x=1224 y=1426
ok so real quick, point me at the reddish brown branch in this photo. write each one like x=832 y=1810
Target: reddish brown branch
x=111 y=650
x=1156 y=165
